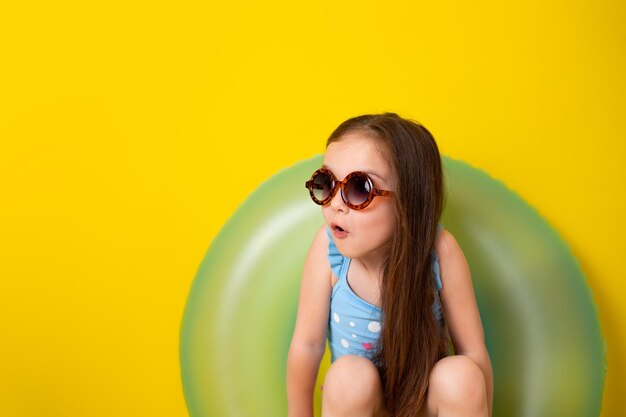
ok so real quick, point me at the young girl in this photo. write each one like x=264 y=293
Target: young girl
x=378 y=281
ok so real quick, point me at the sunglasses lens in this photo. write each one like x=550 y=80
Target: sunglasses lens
x=358 y=189
x=322 y=184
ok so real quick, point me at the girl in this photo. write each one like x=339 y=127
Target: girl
x=379 y=279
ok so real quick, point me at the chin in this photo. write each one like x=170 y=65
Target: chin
x=347 y=250
x=353 y=251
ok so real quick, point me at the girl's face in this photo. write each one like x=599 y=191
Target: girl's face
x=366 y=232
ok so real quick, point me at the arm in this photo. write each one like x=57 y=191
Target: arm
x=309 y=337
x=460 y=308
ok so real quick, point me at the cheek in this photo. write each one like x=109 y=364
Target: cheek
x=379 y=224
x=375 y=225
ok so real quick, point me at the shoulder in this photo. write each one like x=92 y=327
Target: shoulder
x=319 y=247
x=452 y=262
x=314 y=301
x=458 y=299
x=317 y=271
x=322 y=234
x=446 y=244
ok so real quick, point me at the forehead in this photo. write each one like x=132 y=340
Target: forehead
x=357 y=152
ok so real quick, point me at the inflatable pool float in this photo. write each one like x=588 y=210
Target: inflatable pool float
x=541 y=325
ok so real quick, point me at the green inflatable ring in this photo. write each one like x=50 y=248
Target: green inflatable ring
x=541 y=325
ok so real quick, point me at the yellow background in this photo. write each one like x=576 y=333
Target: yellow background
x=130 y=131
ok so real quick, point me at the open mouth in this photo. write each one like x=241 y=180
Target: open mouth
x=339 y=231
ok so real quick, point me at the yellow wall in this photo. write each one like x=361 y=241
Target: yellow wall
x=130 y=132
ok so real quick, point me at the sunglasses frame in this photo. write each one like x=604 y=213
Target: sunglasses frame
x=336 y=184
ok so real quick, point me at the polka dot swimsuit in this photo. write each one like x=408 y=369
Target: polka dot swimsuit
x=354 y=324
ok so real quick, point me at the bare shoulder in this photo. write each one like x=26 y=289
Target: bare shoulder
x=315 y=288
x=319 y=248
x=452 y=262
x=457 y=296
x=316 y=266
x=446 y=245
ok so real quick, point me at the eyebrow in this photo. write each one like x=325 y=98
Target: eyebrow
x=373 y=174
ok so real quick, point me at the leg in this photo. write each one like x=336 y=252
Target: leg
x=456 y=388
x=352 y=388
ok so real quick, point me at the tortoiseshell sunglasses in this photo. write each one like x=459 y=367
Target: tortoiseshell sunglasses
x=357 y=189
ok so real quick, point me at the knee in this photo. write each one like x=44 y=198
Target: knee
x=352 y=382
x=458 y=381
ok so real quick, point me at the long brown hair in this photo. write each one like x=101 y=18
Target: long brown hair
x=411 y=340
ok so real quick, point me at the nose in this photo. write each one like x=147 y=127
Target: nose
x=337 y=203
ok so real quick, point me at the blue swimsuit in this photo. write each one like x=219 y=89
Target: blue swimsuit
x=354 y=324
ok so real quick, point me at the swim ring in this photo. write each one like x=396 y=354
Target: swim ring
x=541 y=325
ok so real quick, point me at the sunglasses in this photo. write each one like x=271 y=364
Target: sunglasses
x=357 y=189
